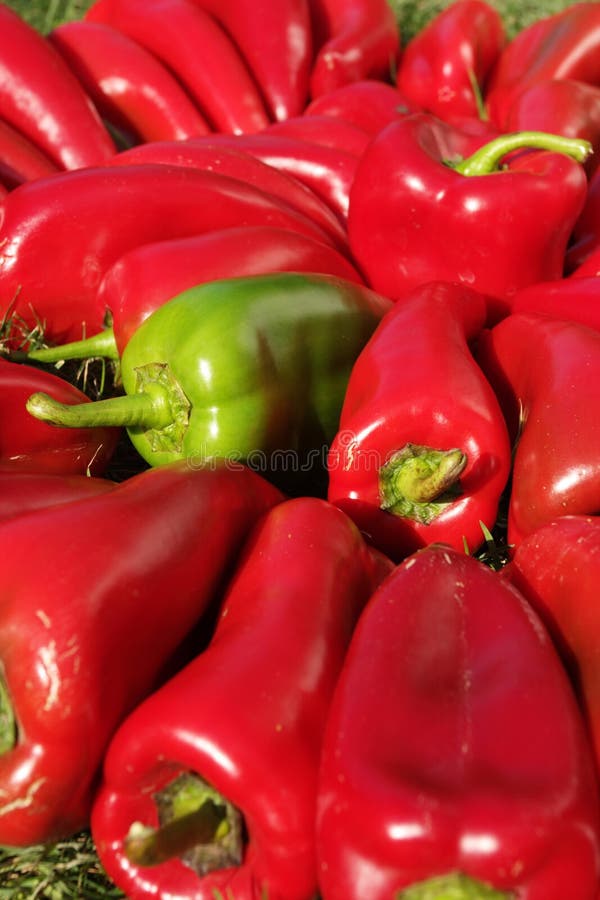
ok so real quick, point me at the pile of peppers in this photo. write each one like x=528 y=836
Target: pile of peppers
x=300 y=410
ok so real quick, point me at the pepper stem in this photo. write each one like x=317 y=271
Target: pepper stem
x=486 y=159
x=149 y=409
x=98 y=345
x=419 y=482
x=454 y=886
x=8 y=724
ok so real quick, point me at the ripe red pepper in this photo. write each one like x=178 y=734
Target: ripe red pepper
x=565 y=45
x=60 y=235
x=573 y=299
x=327 y=131
x=546 y=373
x=27 y=445
x=422 y=453
x=240 y=727
x=130 y=87
x=509 y=226
x=41 y=97
x=21 y=160
x=76 y=660
x=557 y=570
x=354 y=40
x=444 y=68
x=198 y=51
x=22 y=492
x=455 y=761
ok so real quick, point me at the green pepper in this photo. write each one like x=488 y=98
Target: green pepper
x=250 y=369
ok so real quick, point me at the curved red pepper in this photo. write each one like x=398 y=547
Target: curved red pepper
x=85 y=639
x=509 y=226
x=327 y=131
x=455 y=761
x=355 y=39
x=22 y=492
x=248 y=723
x=368 y=104
x=199 y=52
x=130 y=87
x=546 y=373
x=422 y=452
x=32 y=446
x=60 y=235
x=444 y=68
x=573 y=299
x=41 y=97
x=20 y=160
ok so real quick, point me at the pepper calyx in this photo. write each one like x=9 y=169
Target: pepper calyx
x=487 y=159
x=419 y=482
x=454 y=886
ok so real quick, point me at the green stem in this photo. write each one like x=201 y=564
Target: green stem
x=98 y=345
x=419 y=482
x=454 y=886
x=151 y=846
x=8 y=724
x=147 y=409
x=487 y=159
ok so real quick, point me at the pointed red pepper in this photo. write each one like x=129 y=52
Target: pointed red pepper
x=455 y=762
x=22 y=492
x=226 y=753
x=119 y=581
x=422 y=452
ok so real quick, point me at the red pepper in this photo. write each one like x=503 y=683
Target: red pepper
x=567 y=107
x=84 y=639
x=557 y=568
x=509 y=226
x=422 y=453
x=368 y=104
x=240 y=727
x=573 y=299
x=20 y=160
x=32 y=446
x=444 y=68
x=22 y=492
x=590 y=267
x=60 y=235
x=562 y=46
x=455 y=761
x=276 y=42
x=546 y=373
x=585 y=237
x=327 y=131
x=130 y=87
x=198 y=51
x=41 y=97
x=355 y=39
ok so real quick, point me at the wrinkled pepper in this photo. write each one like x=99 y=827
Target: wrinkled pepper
x=444 y=68
x=455 y=761
x=30 y=446
x=22 y=492
x=546 y=374
x=422 y=453
x=510 y=216
x=249 y=369
x=210 y=790
x=85 y=639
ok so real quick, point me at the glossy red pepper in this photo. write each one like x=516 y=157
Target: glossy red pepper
x=252 y=752
x=276 y=42
x=198 y=51
x=20 y=159
x=22 y=492
x=31 y=446
x=585 y=237
x=565 y=45
x=572 y=299
x=368 y=104
x=546 y=373
x=76 y=660
x=327 y=131
x=41 y=97
x=130 y=87
x=444 y=68
x=455 y=761
x=60 y=235
x=422 y=453
x=354 y=40
x=557 y=570
x=510 y=226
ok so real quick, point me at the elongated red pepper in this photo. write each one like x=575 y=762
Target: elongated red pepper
x=76 y=660
x=546 y=373
x=561 y=46
x=241 y=729
x=60 y=235
x=444 y=68
x=368 y=104
x=22 y=492
x=422 y=453
x=572 y=299
x=31 y=446
x=20 y=160
x=453 y=740
x=199 y=52
x=227 y=157
x=327 y=131
x=41 y=97
x=355 y=39
x=557 y=570
x=276 y=42
x=510 y=226
x=130 y=87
